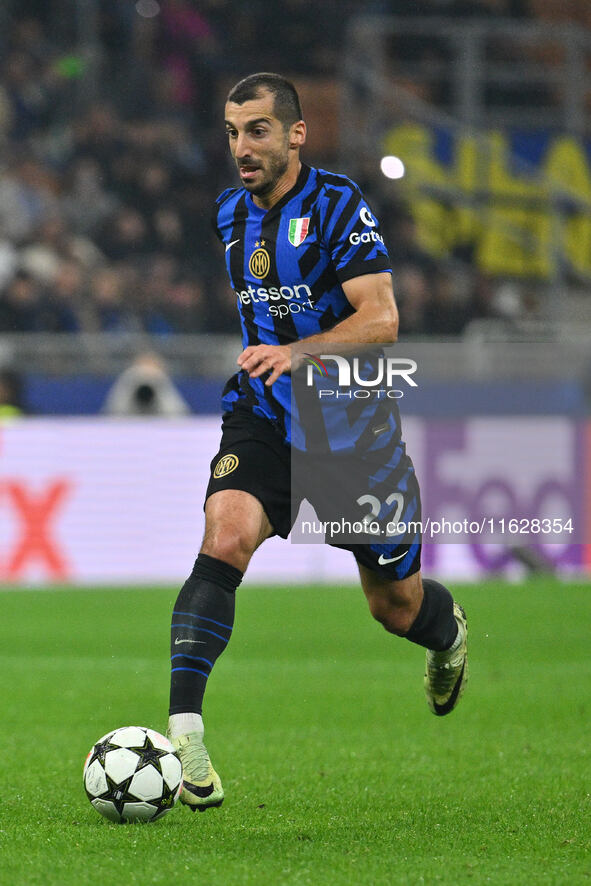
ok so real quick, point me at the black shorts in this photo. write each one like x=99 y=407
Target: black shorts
x=253 y=458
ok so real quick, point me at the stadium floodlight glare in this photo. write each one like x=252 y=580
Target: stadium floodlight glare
x=392 y=167
x=147 y=8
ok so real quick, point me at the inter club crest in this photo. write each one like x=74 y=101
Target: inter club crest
x=260 y=261
x=225 y=465
x=298 y=230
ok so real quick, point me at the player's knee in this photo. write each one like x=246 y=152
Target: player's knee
x=231 y=544
x=395 y=617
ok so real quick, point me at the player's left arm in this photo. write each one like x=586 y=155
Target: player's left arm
x=374 y=321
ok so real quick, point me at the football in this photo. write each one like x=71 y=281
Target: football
x=133 y=774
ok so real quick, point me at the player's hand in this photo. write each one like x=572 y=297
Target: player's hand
x=258 y=359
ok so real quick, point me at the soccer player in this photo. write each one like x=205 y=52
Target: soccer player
x=304 y=255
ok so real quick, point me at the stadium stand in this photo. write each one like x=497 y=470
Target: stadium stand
x=111 y=157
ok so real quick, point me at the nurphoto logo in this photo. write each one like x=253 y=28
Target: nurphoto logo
x=378 y=382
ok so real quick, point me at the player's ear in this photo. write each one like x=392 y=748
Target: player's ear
x=297 y=134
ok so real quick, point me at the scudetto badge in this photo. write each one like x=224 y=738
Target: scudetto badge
x=260 y=261
x=225 y=465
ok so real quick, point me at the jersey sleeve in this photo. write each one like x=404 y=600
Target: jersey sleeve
x=215 y=215
x=351 y=232
x=214 y=222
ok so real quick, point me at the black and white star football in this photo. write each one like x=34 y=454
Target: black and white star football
x=133 y=774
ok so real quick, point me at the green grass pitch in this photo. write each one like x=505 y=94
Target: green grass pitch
x=335 y=771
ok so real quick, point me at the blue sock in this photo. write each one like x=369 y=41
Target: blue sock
x=435 y=626
x=202 y=623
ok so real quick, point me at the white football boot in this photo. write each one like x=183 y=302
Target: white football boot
x=446 y=673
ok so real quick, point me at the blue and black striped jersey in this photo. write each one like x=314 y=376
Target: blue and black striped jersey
x=287 y=266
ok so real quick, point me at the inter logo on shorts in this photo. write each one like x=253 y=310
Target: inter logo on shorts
x=260 y=261
x=225 y=465
x=298 y=230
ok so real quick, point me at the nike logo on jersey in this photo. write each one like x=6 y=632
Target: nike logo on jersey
x=229 y=245
x=177 y=640
x=385 y=560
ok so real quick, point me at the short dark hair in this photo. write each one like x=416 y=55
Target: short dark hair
x=286 y=105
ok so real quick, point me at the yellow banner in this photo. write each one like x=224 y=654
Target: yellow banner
x=518 y=221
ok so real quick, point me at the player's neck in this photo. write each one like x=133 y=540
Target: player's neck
x=282 y=186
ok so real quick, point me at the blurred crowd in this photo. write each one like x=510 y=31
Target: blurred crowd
x=112 y=235
x=110 y=162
